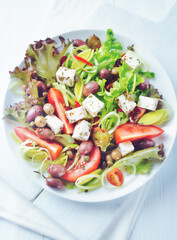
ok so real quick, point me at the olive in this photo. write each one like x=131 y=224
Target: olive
x=143 y=86
x=109 y=163
x=34 y=112
x=104 y=165
x=90 y=88
x=100 y=137
x=41 y=88
x=54 y=183
x=145 y=143
x=70 y=154
x=105 y=74
x=108 y=158
x=86 y=158
x=85 y=147
x=94 y=42
x=78 y=43
x=45 y=94
x=116 y=155
x=114 y=71
x=48 y=109
x=45 y=134
x=40 y=121
x=56 y=170
x=118 y=62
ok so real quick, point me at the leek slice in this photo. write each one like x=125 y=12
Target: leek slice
x=105 y=119
x=155 y=117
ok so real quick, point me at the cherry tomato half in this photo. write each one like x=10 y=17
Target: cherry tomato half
x=115 y=177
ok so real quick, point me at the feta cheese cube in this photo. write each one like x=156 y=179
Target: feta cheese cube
x=82 y=131
x=131 y=59
x=66 y=76
x=147 y=103
x=54 y=123
x=125 y=148
x=93 y=105
x=76 y=114
x=126 y=105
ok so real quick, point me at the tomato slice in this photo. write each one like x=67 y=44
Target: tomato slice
x=55 y=97
x=115 y=177
x=53 y=147
x=82 y=167
x=131 y=132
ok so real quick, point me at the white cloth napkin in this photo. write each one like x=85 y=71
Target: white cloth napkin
x=83 y=221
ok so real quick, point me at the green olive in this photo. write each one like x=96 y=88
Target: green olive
x=94 y=42
x=48 y=109
x=40 y=121
x=70 y=154
x=116 y=154
x=110 y=163
x=114 y=71
x=100 y=137
x=108 y=158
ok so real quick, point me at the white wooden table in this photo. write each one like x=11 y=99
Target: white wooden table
x=158 y=216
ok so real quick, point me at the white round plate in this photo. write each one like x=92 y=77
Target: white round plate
x=162 y=82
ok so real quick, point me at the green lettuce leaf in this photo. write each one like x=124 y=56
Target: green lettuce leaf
x=146 y=74
x=45 y=58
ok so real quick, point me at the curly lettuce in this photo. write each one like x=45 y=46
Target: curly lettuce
x=143 y=159
x=45 y=57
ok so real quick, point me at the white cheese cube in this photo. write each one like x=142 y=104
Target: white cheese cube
x=76 y=114
x=66 y=76
x=93 y=105
x=131 y=59
x=147 y=103
x=125 y=148
x=82 y=131
x=54 y=123
x=126 y=105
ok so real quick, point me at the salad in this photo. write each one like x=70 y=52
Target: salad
x=89 y=113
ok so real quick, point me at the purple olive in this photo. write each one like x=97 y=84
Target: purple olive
x=34 y=111
x=118 y=62
x=85 y=147
x=78 y=43
x=105 y=74
x=146 y=143
x=143 y=143
x=91 y=87
x=45 y=134
x=143 y=86
x=41 y=88
x=54 y=183
x=56 y=170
